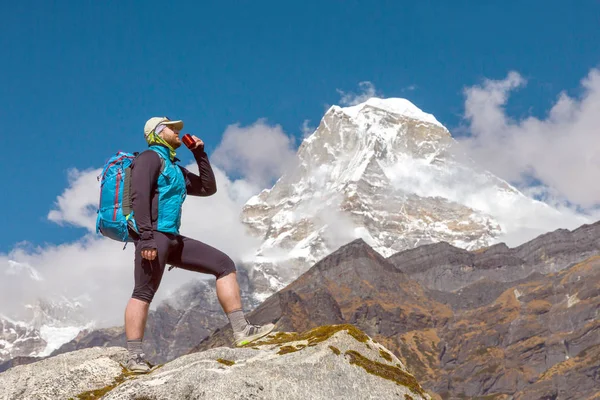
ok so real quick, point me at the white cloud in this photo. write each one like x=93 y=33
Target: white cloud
x=521 y=218
x=77 y=205
x=259 y=153
x=215 y=220
x=558 y=152
x=351 y=99
x=307 y=129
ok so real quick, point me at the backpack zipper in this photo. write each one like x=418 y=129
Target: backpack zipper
x=117 y=195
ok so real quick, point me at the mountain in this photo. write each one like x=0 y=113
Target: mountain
x=388 y=173
x=536 y=337
x=51 y=323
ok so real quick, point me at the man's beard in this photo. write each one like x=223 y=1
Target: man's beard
x=174 y=144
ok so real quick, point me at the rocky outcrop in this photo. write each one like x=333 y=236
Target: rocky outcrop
x=64 y=376
x=324 y=363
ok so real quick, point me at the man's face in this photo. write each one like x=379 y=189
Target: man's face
x=171 y=136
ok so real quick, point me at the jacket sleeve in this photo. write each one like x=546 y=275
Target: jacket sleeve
x=203 y=184
x=144 y=175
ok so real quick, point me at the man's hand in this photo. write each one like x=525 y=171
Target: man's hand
x=149 y=254
x=199 y=142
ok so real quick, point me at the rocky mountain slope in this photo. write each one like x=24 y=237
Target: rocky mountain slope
x=326 y=363
x=533 y=336
x=447 y=268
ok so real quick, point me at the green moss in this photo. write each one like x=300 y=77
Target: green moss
x=229 y=363
x=287 y=349
x=98 y=393
x=144 y=398
x=385 y=355
x=315 y=336
x=388 y=372
x=335 y=350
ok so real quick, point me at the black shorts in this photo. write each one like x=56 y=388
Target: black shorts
x=181 y=252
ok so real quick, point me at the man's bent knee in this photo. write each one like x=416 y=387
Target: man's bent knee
x=143 y=295
x=227 y=267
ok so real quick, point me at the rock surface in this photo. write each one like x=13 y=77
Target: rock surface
x=63 y=376
x=330 y=362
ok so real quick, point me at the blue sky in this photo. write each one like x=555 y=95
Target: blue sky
x=79 y=79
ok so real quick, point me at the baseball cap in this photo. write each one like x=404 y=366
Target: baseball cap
x=153 y=122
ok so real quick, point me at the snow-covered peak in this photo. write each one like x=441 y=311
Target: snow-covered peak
x=388 y=173
x=392 y=105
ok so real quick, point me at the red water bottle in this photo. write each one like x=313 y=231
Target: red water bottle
x=188 y=141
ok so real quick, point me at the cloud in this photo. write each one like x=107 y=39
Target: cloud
x=259 y=153
x=307 y=129
x=77 y=204
x=351 y=99
x=557 y=155
x=520 y=217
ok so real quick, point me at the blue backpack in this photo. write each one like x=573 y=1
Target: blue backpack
x=115 y=213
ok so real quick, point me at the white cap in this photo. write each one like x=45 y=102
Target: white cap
x=153 y=122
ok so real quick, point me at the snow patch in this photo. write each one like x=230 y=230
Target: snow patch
x=57 y=336
x=392 y=105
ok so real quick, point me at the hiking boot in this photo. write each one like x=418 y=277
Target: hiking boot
x=138 y=364
x=252 y=333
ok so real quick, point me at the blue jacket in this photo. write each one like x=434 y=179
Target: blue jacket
x=158 y=193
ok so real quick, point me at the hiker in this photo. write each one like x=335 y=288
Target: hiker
x=158 y=188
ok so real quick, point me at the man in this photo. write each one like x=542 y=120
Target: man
x=158 y=189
